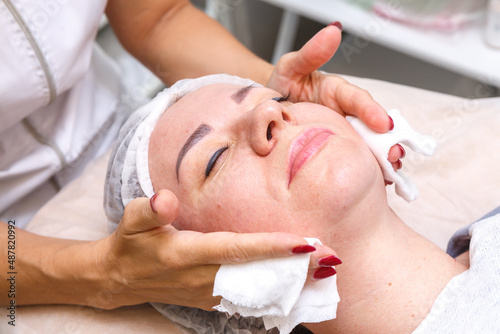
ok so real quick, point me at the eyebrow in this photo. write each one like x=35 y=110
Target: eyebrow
x=241 y=93
x=195 y=137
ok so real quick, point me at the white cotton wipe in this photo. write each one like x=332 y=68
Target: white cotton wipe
x=275 y=290
x=380 y=144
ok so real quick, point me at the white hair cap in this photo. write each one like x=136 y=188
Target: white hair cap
x=128 y=169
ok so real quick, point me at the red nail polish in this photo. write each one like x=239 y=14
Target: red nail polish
x=388 y=183
x=337 y=24
x=324 y=272
x=152 y=202
x=391 y=126
x=400 y=164
x=329 y=261
x=303 y=249
x=403 y=151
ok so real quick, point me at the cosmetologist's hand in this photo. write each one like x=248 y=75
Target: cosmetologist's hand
x=296 y=74
x=148 y=260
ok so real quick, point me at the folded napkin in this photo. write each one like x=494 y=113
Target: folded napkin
x=276 y=290
x=380 y=144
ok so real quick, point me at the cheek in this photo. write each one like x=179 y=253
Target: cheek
x=335 y=183
x=308 y=113
x=242 y=205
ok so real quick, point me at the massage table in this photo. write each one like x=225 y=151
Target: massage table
x=458 y=185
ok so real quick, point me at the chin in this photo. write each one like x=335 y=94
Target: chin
x=331 y=188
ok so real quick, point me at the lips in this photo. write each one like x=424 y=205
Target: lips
x=304 y=147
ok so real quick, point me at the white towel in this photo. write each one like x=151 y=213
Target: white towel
x=380 y=144
x=275 y=289
x=470 y=302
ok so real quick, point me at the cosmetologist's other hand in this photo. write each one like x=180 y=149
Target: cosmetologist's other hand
x=296 y=74
x=148 y=260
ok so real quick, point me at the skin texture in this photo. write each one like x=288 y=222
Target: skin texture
x=390 y=275
x=175 y=40
x=254 y=163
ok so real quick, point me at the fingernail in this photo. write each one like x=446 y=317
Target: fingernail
x=391 y=127
x=152 y=202
x=400 y=164
x=303 y=249
x=329 y=261
x=391 y=124
x=403 y=151
x=337 y=24
x=388 y=183
x=324 y=272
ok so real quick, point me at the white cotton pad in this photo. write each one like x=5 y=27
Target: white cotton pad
x=380 y=144
x=276 y=290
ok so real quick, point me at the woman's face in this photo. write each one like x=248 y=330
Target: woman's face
x=243 y=159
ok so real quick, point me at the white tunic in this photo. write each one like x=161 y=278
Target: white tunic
x=59 y=99
x=470 y=302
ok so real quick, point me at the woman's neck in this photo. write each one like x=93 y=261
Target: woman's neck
x=389 y=279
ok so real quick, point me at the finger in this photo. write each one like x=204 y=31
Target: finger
x=190 y=295
x=194 y=288
x=403 y=152
x=322 y=262
x=396 y=152
x=166 y=206
x=316 y=52
x=356 y=101
x=322 y=273
x=397 y=165
x=229 y=248
x=323 y=257
x=144 y=214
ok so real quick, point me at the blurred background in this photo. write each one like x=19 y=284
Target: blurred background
x=448 y=46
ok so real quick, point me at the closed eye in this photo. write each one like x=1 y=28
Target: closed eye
x=281 y=98
x=213 y=160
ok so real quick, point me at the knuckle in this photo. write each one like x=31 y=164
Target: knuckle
x=287 y=58
x=235 y=254
x=338 y=81
x=199 y=280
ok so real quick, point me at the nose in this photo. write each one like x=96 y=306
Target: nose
x=265 y=125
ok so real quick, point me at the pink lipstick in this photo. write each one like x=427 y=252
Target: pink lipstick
x=304 y=147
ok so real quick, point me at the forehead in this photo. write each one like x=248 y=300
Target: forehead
x=215 y=105
x=210 y=104
x=205 y=104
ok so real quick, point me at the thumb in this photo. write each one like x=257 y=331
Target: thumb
x=145 y=214
x=317 y=51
